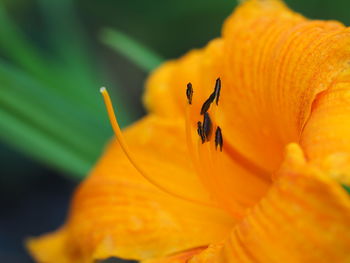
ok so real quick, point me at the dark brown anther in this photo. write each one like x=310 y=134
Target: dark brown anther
x=218 y=139
x=217 y=90
x=214 y=96
x=206 y=104
x=207 y=126
x=200 y=131
x=189 y=93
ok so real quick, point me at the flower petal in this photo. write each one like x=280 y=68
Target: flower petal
x=165 y=88
x=116 y=212
x=304 y=218
x=276 y=63
x=50 y=248
x=326 y=136
x=272 y=62
x=181 y=257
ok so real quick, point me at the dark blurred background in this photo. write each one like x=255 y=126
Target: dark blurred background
x=54 y=56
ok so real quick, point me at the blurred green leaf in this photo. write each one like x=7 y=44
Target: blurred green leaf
x=62 y=73
x=41 y=146
x=28 y=106
x=346 y=187
x=143 y=57
x=16 y=47
x=23 y=95
x=50 y=106
x=70 y=44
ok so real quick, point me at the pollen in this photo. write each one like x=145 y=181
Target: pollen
x=214 y=96
x=200 y=131
x=207 y=126
x=219 y=142
x=189 y=93
x=207 y=103
x=217 y=90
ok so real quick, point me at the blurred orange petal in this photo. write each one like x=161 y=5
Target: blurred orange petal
x=182 y=257
x=116 y=212
x=326 y=137
x=304 y=218
x=52 y=247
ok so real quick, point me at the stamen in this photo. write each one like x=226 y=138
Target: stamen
x=208 y=167
x=195 y=153
x=189 y=93
x=217 y=90
x=206 y=152
x=218 y=139
x=206 y=104
x=200 y=131
x=190 y=145
x=207 y=126
x=214 y=96
x=189 y=139
x=204 y=160
x=127 y=152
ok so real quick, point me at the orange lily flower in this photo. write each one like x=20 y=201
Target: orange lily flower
x=274 y=193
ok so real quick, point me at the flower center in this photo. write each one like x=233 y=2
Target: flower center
x=210 y=156
x=205 y=128
x=203 y=150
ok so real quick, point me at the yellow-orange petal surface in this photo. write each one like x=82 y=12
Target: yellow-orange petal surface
x=116 y=212
x=304 y=218
x=273 y=64
x=326 y=137
x=181 y=257
x=52 y=247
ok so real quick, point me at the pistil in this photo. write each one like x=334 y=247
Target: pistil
x=130 y=156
